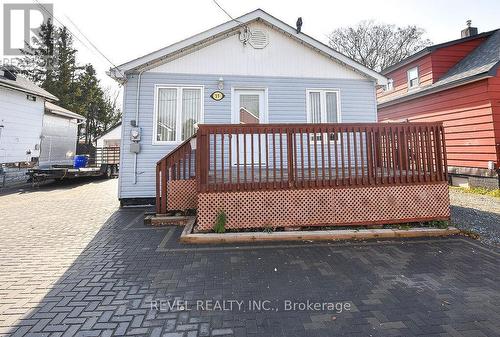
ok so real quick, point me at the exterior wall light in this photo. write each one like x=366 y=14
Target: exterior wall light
x=220 y=83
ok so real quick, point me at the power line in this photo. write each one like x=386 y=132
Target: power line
x=92 y=44
x=226 y=12
x=246 y=33
x=62 y=24
x=75 y=36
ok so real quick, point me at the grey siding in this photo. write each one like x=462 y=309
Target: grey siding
x=58 y=140
x=286 y=104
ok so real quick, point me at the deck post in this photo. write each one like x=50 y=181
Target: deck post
x=289 y=149
x=202 y=150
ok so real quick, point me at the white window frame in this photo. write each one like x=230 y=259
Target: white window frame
x=178 y=117
x=322 y=93
x=408 y=78
x=390 y=85
x=235 y=109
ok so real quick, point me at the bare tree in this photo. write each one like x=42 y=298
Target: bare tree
x=378 y=45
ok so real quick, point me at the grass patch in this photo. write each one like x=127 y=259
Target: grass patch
x=478 y=190
x=441 y=224
x=269 y=229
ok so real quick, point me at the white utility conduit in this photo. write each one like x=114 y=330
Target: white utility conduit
x=138 y=92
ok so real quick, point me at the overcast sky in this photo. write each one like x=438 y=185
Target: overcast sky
x=124 y=30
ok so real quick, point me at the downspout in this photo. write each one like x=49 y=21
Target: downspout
x=138 y=92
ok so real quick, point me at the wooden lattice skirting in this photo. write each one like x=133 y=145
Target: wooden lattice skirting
x=326 y=206
x=181 y=194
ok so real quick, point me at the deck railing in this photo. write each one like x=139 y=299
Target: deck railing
x=283 y=156
x=277 y=156
x=177 y=165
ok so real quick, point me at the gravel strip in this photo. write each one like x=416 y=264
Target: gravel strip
x=477 y=213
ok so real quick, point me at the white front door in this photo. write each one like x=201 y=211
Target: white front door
x=249 y=107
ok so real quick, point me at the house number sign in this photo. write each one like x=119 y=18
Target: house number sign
x=217 y=95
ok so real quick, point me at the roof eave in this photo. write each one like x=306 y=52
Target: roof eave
x=408 y=60
x=493 y=71
x=31 y=92
x=430 y=49
x=429 y=91
x=60 y=111
x=109 y=130
x=120 y=72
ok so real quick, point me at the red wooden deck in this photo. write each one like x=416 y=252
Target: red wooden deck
x=243 y=168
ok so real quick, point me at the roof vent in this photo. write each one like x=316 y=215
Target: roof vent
x=258 y=39
x=469 y=31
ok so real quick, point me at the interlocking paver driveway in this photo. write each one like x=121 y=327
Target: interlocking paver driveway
x=72 y=263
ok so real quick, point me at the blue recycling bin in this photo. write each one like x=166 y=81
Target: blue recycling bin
x=80 y=161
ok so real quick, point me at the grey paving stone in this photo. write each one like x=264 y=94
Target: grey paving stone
x=76 y=264
x=173 y=334
x=222 y=332
x=156 y=332
x=186 y=327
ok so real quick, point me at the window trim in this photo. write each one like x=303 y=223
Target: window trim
x=322 y=93
x=408 y=78
x=234 y=108
x=178 y=117
x=390 y=85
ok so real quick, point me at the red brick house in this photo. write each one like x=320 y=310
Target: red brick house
x=458 y=83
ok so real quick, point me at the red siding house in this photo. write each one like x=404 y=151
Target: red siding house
x=458 y=83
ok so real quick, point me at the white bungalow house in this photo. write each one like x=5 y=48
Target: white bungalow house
x=253 y=69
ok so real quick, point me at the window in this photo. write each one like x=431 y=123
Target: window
x=178 y=109
x=413 y=78
x=390 y=85
x=323 y=106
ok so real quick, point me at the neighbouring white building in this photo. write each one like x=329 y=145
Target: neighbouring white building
x=111 y=138
x=22 y=107
x=33 y=130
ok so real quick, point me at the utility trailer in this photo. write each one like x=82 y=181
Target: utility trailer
x=103 y=162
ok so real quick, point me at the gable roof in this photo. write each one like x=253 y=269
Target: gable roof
x=481 y=63
x=483 y=59
x=163 y=55
x=430 y=49
x=109 y=130
x=57 y=110
x=24 y=85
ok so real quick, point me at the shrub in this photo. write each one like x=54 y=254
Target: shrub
x=441 y=224
x=220 y=222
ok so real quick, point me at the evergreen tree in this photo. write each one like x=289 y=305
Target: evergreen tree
x=39 y=57
x=51 y=63
x=95 y=104
x=66 y=70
